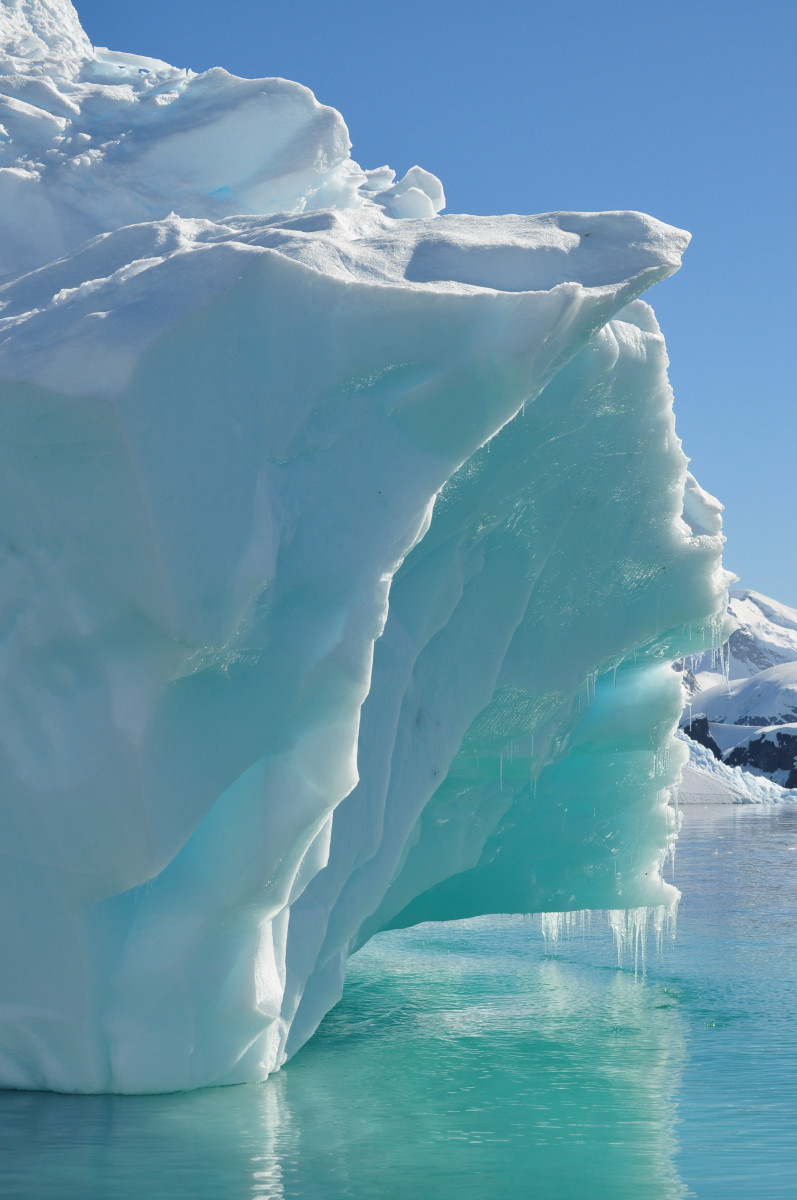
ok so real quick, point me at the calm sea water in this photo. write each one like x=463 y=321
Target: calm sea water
x=466 y=1061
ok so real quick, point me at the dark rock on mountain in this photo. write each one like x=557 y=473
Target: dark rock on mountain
x=773 y=751
x=697 y=729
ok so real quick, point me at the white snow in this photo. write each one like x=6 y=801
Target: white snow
x=706 y=780
x=764 y=635
x=95 y=140
x=767 y=698
x=345 y=547
x=754 y=696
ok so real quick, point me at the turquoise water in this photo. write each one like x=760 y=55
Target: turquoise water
x=467 y=1061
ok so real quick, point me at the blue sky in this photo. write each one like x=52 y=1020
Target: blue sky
x=683 y=110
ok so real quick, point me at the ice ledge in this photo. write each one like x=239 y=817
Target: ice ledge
x=80 y=325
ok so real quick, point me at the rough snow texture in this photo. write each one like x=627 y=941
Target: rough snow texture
x=773 y=752
x=708 y=780
x=93 y=140
x=345 y=552
x=741 y=701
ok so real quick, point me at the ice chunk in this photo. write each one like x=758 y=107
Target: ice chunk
x=418 y=194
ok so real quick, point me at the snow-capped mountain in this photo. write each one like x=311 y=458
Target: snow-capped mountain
x=741 y=701
x=765 y=636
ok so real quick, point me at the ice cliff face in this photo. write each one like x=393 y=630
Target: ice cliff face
x=345 y=549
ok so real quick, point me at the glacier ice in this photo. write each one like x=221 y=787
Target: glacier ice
x=709 y=780
x=345 y=551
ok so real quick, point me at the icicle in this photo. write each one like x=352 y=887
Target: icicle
x=558 y=925
x=664 y=917
x=551 y=925
x=630 y=931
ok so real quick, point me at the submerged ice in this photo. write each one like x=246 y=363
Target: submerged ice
x=346 y=549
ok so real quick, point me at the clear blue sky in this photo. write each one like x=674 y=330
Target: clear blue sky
x=683 y=110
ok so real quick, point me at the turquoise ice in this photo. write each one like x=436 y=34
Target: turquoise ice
x=346 y=551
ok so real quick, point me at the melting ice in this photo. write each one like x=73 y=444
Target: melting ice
x=287 y=656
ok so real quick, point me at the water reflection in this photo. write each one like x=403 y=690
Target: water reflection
x=735 y=967
x=462 y=1062
x=465 y=1063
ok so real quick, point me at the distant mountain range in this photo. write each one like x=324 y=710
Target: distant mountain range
x=740 y=707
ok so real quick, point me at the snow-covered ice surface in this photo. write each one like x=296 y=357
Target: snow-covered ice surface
x=708 y=780
x=345 y=551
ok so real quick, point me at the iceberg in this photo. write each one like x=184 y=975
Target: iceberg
x=346 y=549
